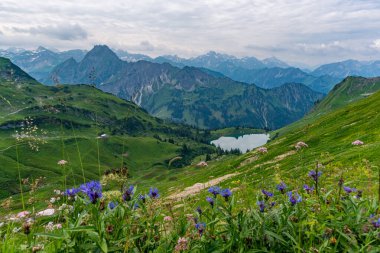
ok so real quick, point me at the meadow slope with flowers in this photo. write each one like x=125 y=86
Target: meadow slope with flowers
x=313 y=188
x=83 y=125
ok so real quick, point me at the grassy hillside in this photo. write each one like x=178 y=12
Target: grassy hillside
x=184 y=215
x=329 y=138
x=348 y=91
x=63 y=122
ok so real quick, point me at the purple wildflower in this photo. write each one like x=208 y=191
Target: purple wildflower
x=93 y=190
x=142 y=198
x=128 y=193
x=135 y=206
x=267 y=194
x=294 y=198
x=261 y=205
x=272 y=204
x=214 y=190
x=376 y=223
x=281 y=187
x=199 y=210
x=308 y=189
x=211 y=201
x=112 y=205
x=200 y=227
x=314 y=175
x=71 y=192
x=153 y=193
x=348 y=189
x=226 y=193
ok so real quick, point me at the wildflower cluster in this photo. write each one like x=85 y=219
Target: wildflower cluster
x=92 y=220
x=31 y=134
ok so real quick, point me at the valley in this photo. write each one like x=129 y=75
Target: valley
x=189 y=126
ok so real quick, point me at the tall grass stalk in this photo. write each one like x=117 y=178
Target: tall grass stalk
x=63 y=157
x=19 y=176
x=79 y=154
x=316 y=179
x=378 y=193
x=97 y=143
x=122 y=155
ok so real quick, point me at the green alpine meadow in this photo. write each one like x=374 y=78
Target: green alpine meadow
x=189 y=126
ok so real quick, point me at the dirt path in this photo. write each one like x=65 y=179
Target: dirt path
x=196 y=188
x=274 y=160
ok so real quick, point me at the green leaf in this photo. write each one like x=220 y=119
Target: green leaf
x=54 y=236
x=83 y=228
x=103 y=245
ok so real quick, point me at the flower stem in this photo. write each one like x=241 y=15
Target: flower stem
x=19 y=177
x=79 y=155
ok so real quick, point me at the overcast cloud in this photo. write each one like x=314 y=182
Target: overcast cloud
x=308 y=31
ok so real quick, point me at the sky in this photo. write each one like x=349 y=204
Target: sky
x=297 y=31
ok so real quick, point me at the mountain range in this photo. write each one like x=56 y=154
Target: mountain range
x=189 y=95
x=267 y=73
x=38 y=63
x=349 y=68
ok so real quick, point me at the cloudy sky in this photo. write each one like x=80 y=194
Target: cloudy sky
x=304 y=31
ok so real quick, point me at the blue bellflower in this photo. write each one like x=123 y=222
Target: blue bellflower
x=267 y=194
x=211 y=201
x=128 y=193
x=348 y=189
x=294 y=198
x=214 y=190
x=314 y=175
x=308 y=189
x=112 y=205
x=199 y=210
x=200 y=227
x=153 y=193
x=261 y=205
x=71 y=192
x=93 y=190
x=226 y=193
x=376 y=223
x=281 y=187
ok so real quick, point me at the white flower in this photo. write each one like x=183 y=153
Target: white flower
x=47 y=212
x=49 y=226
x=52 y=200
x=262 y=150
x=300 y=145
x=16 y=230
x=62 y=162
x=357 y=143
x=22 y=214
x=57 y=192
x=168 y=218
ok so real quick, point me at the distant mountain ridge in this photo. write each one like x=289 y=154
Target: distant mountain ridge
x=189 y=95
x=349 y=68
x=267 y=73
x=349 y=90
x=38 y=63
